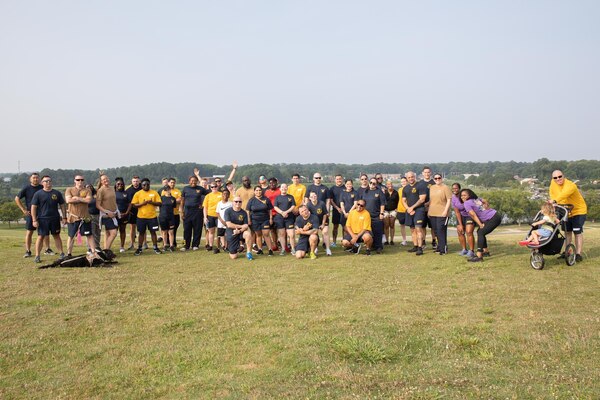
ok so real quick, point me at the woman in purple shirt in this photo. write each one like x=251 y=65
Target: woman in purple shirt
x=486 y=218
x=464 y=223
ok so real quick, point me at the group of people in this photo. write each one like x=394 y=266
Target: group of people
x=290 y=218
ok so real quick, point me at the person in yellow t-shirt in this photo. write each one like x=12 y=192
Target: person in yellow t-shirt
x=358 y=229
x=146 y=201
x=401 y=212
x=211 y=217
x=564 y=191
x=297 y=190
x=176 y=193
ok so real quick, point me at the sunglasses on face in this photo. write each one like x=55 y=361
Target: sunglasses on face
x=213 y=187
x=437 y=178
x=557 y=177
x=372 y=183
x=47 y=181
x=79 y=180
x=360 y=205
x=317 y=177
x=237 y=201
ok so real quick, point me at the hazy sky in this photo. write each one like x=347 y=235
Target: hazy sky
x=96 y=84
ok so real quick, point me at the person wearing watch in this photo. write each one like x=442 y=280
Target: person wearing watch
x=375 y=202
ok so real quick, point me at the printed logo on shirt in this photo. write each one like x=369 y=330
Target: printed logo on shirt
x=54 y=197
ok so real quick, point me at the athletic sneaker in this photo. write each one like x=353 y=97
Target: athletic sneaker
x=138 y=252
x=27 y=254
x=463 y=252
x=121 y=250
x=470 y=254
x=413 y=249
x=37 y=260
x=270 y=252
x=216 y=250
x=328 y=252
x=403 y=243
x=313 y=256
x=208 y=248
x=561 y=256
x=249 y=256
x=61 y=256
x=195 y=248
x=157 y=251
x=282 y=252
x=368 y=252
x=293 y=251
x=486 y=254
x=578 y=258
x=386 y=243
x=145 y=246
x=316 y=251
x=475 y=259
x=130 y=247
x=172 y=249
x=183 y=249
x=357 y=247
x=391 y=243
x=383 y=238
x=49 y=252
x=434 y=243
x=419 y=251
x=333 y=244
x=259 y=251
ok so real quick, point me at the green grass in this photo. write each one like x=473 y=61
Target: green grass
x=196 y=325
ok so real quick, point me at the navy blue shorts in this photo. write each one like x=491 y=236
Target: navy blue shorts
x=85 y=228
x=303 y=244
x=147 y=223
x=335 y=216
x=233 y=241
x=212 y=222
x=401 y=217
x=220 y=232
x=284 y=223
x=259 y=225
x=123 y=221
x=29 y=223
x=467 y=220
x=360 y=238
x=417 y=220
x=575 y=224
x=166 y=223
x=48 y=226
x=108 y=223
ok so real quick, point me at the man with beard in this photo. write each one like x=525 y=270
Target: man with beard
x=336 y=212
x=27 y=192
x=78 y=216
x=146 y=200
x=131 y=191
x=245 y=192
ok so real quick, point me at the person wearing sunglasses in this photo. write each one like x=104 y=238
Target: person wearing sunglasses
x=358 y=229
x=106 y=202
x=211 y=216
x=374 y=200
x=236 y=220
x=413 y=198
x=440 y=200
x=78 y=217
x=146 y=201
x=322 y=191
x=564 y=191
x=45 y=216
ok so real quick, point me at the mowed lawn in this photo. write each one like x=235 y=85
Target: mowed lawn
x=197 y=325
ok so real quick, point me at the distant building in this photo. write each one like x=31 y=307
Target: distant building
x=467 y=176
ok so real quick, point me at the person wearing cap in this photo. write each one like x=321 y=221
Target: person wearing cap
x=564 y=191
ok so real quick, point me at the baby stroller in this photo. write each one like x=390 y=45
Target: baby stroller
x=554 y=243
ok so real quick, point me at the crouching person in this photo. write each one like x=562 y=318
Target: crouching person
x=307 y=227
x=236 y=220
x=358 y=229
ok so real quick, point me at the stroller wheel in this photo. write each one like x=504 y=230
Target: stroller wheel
x=537 y=260
x=570 y=254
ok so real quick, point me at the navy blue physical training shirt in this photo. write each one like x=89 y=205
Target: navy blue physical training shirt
x=322 y=192
x=236 y=217
x=123 y=200
x=167 y=207
x=28 y=192
x=412 y=193
x=194 y=196
x=48 y=203
x=284 y=202
x=259 y=209
x=348 y=198
x=312 y=219
x=319 y=209
x=336 y=193
x=374 y=199
x=425 y=185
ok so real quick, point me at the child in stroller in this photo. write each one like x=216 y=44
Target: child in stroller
x=544 y=226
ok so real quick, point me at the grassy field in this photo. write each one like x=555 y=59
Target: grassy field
x=196 y=325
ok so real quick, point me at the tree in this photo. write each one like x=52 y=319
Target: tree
x=10 y=212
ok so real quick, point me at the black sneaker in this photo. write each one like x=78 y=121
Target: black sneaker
x=434 y=243
x=49 y=252
x=475 y=259
x=216 y=251
x=486 y=254
x=138 y=252
x=356 y=249
x=37 y=260
x=208 y=247
x=172 y=249
x=413 y=249
x=270 y=252
x=386 y=243
x=368 y=252
x=562 y=256
x=260 y=251
x=157 y=250
x=419 y=251
x=378 y=251
x=27 y=254
x=578 y=258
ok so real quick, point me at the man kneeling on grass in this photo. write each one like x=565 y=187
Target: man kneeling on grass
x=236 y=220
x=358 y=229
x=307 y=227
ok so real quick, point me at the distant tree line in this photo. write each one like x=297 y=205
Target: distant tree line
x=492 y=174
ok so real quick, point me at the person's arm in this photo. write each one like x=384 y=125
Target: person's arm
x=197 y=174
x=476 y=218
x=447 y=208
x=406 y=204
x=69 y=198
x=63 y=209
x=459 y=222
x=34 y=220
x=233 y=169
x=181 y=205
x=21 y=206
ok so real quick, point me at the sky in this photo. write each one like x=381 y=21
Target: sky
x=99 y=84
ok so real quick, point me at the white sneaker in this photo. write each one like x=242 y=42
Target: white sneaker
x=316 y=250
x=121 y=250
x=145 y=246
x=403 y=243
x=328 y=252
x=383 y=239
x=195 y=248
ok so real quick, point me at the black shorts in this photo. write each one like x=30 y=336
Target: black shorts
x=467 y=220
x=146 y=223
x=29 y=223
x=220 y=232
x=259 y=225
x=233 y=241
x=426 y=221
x=132 y=217
x=284 y=223
x=85 y=228
x=335 y=216
x=212 y=222
x=108 y=223
x=123 y=221
x=48 y=226
x=401 y=217
x=303 y=243
x=575 y=224
x=360 y=238
x=417 y=220
x=166 y=223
